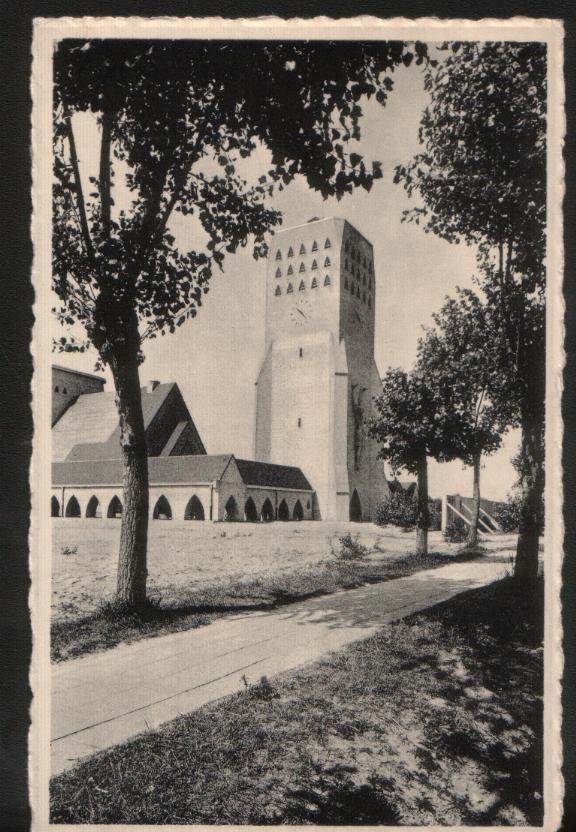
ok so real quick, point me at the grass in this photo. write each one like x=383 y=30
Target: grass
x=434 y=720
x=110 y=624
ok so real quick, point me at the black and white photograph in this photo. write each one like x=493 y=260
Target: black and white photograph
x=296 y=484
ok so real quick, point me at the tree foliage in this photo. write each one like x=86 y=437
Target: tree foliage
x=415 y=419
x=176 y=118
x=466 y=352
x=481 y=177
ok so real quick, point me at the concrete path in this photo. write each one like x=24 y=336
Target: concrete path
x=103 y=699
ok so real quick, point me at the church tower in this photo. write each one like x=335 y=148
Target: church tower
x=318 y=376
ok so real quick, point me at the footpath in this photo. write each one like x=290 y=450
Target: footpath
x=103 y=699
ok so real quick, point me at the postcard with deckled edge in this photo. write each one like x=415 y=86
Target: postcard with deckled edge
x=296 y=535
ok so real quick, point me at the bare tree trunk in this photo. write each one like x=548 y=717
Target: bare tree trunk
x=132 y=570
x=473 y=530
x=423 y=521
x=532 y=485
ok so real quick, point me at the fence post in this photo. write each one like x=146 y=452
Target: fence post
x=444 y=521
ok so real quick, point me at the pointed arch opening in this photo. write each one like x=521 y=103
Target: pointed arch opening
x=162 y=510
x=267 y=513
x=355 y=507
x=54 y=507
x=298 y=513
x=194 y=510
x=231 y=509
x=250 y=513
x=283 y=512
x=114 y=509
x=73 y=508
x=93 y=508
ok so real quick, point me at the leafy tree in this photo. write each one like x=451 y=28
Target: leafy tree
x=415 y=420
x=482 y=179
x=175 y=120
x=467 y=351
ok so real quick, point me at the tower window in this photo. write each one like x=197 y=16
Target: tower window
x=314 y=264
x=290 y=270
x=358 y=292
x=314 y=246
x=327 y=263
x=64 y=390
x=347 y=246
x=290 y=252
x=56 y=389
x=277 y=292
x=302 y=286
x=278 y=255
x=369 y=303
x=278 y=273
x=299 y=422
x=302 y=268
x=300 y=352
x=327 y=244
x=364 y=296
x=289 y=290
x=345 y=282
x=314 y=284
x=302 y=249
x=327 y=280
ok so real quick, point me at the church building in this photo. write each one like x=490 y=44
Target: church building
x=318 y=377
x=314 y=390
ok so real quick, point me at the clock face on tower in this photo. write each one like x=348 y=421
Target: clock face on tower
x=301 y=312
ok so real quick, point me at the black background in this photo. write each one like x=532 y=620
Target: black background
x=16 y=301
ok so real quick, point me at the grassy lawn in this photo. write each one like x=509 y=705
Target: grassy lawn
x=186 y=607
x=434 y=720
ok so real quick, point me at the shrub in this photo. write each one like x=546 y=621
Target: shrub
x=455 y=534
x=351 y=549
x=508 y=514
x=400 y=509
x=435 y=509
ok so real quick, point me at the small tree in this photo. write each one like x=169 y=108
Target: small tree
x=175 y=120
x=467 y=351
x=482 y=178
x=415 y=421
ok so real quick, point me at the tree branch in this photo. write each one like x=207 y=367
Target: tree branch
x=104 y=179
x=79 y=193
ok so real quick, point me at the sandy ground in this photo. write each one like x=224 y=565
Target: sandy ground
x=201 y=555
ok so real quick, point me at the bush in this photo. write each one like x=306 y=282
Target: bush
x=435 y=509
x=351 y=549
x=400 y=509
x=455 y=534
x=508 y=514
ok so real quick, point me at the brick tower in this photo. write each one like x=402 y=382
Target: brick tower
x=318 y=376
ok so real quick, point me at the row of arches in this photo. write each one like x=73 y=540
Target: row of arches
x=194 y=510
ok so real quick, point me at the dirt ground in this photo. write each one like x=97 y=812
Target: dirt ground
x=202 y=555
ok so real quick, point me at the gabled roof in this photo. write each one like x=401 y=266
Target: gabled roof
x=272 y=476
x=196 y=469
x=89 y=429
x=201 y=468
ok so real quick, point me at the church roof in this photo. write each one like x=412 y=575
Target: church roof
x=192 y=469
x=89 y=429
x=272 y=476
x=200 y=468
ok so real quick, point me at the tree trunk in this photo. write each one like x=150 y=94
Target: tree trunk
x=132 y=571
x=532 y=485
x=423 y=521
x=473 y=530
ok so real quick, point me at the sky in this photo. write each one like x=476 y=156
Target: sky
x=215 y=357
